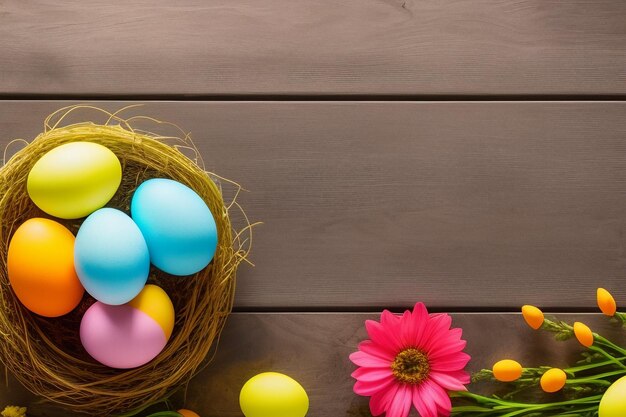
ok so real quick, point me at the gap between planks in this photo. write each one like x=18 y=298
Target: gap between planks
x=322 y=97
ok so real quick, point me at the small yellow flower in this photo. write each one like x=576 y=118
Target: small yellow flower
x=533 y=316
x=606 y=302
x=507 y=370
x=553 y=380
x=583 y=334
x=13 y=411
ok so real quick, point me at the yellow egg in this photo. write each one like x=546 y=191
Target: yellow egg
x=75 y=179
x=271 y=394
x=613 y=402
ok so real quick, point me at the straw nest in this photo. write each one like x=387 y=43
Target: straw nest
x=46 y=355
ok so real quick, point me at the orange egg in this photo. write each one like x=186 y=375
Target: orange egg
x=41 y=271
x=187 y=413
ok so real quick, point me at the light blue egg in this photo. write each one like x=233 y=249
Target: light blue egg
x=111 y=257
x=177 y=224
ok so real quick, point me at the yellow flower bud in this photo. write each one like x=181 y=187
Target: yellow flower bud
x=606 y=302
x=13 y=411
x=553 y=380
x=533 y=316
x=583 y=334
x=507 y=370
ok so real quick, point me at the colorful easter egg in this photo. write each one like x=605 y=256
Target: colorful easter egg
x=74 y=179
x=177 y=224
x=130 y=335
x=613 y=402
x=40 y=265
x=111 y=257
x=272 y=394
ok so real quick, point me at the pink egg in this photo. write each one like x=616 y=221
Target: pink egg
x=121 y=336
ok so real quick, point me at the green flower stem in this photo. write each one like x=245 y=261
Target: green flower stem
x=564 y=331
x=621 y=317
x=592 y=381
x=561 y=327
x=516 y=408
x=595 y=379
x=556 y=405
x=581 y=368
x=472 y=409
x=578 y=413
x=610 y=357
x=607 y=343
x=572 y=371
x=481 y=399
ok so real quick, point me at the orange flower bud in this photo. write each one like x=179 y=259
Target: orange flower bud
x=533 y=316
x=606 y=302
x=553 y=380
x=187 y=413
x=583 y=334
x=507 y=370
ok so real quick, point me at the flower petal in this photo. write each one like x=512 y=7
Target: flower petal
x=443 y=349
x=387 y=317
x=425 y=406
x=361 y=358
x=449 y=336
x=401 y=403
x=447 y=341
x=371 y=374
x=368 y=388
x=393 y=325
x=420 y=320
x=462 y=376
x=448 y=380
x=379 y=335
x=443 y=412
x=373 y=349
x=441 y=397
x=379 y=403
x=408 y=329
x=438 y=327
x=453 y=362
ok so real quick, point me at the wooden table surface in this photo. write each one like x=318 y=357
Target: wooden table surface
x=470 y=154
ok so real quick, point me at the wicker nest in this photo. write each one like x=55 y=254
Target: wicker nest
x=45 y=354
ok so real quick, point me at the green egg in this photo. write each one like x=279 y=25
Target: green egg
x=613 y=403
x=271 y=394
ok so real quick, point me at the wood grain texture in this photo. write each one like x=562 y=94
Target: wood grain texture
x=195 y=47
x=313 y=348
x=462 y=205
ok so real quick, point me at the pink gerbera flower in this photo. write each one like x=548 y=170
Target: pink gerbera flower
x=414 y=359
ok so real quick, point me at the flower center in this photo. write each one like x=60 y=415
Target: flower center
x=410 y=366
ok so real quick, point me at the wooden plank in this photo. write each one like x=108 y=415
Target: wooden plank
x=463 y=205
x=314 y=349
x=194 y=47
